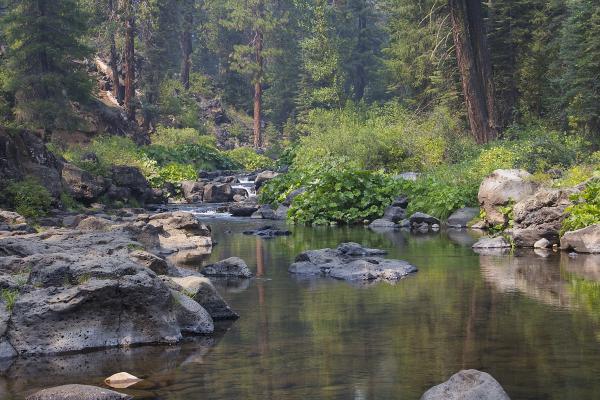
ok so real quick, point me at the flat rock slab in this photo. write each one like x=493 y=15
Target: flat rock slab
x=351 y=262
x=467 y=385
x=267 y=232
x=78 y=392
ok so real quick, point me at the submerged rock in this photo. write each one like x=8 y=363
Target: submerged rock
x=467 y=385
x=351 y=262
x=585 y=240
x=78 y=392
x=267 y=232
x=232 y=267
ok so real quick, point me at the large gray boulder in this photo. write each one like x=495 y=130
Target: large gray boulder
x=394 y=214
x=11 y=218
x=232 y=267
x=181 y=231
x=132 y=179
x=585 y=240
x=202 y=290
x=218 y=193
x=243 y=209
x=94 y=288
x=467 y=385
x=193 y=192
x=540 y=216
x=264 y=212
x=351 y=262
x=461 y=217
x=78 y=392
x=502 y=187
x=82 y=185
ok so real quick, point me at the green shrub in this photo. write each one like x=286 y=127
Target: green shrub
x=348 y=196
x=69 y=202
x=276 y=190
x=175 y=137
x=28 y=198
x=249 y=159
x=586 y=208
x=178 y=104
x=178 y=172
x=200 y=156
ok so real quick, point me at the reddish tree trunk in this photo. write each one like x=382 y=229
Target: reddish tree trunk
x=129 y=61
x=475 y=67
x=258 y=49
x=113 y=63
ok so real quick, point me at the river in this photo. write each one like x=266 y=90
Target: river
x=532 y=320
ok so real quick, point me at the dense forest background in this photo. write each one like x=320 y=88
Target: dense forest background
x=333 y=91
x=282 y=59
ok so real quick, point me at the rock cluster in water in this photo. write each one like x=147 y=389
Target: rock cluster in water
x=104 y=283
x=351 y=262
x=267 y=232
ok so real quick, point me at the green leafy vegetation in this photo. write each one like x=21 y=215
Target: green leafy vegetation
x=348 y=196
x=249 y=159
x=9 y=296
x=28 y=198
x=586 y=208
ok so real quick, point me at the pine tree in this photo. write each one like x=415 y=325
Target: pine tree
x=44 y=55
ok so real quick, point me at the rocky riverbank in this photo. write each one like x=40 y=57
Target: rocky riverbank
x=104 y=283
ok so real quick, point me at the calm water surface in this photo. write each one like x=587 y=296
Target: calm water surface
x=531 y=320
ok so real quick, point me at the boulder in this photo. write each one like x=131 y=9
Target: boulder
x=461 y=217
x=497 y=242
x=218 y=193
x=400 y=201
x=11 y=218
x=540 y=216
x=243 y=209
x=542 y=244
x=501 y=188
x=585 y=240
x=132 y=179
x=78 y=392
x=419 y=218
x=383 y=223
x=181 y=231
x=351 y=262
x=192 y=191
x=203 y=291
x=263 y=177
x=467 y=385
x=82 y=185
x=281 y=213
x=264 y=212
x=394 y=214
x=232 y=267
x=267 y=232
x=191 y=316
x=151 y=261
x=93 y=223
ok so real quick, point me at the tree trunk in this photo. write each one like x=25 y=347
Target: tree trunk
x=186 y=47
x=361 y=73
x=113 y=61
x=475 y=67
x=129 y=61
x=258 y=49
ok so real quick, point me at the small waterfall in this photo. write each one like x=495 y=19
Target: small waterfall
x=246 y=183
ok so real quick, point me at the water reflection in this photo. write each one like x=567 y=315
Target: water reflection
x=531 y=320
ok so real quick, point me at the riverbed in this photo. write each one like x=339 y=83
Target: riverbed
x=531 y=320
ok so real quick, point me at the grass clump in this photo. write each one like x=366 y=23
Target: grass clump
x=27 y=197
x=9 y=296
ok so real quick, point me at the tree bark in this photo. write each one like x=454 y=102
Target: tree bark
x=475 y=68
x=186 y=50
x=113 y=61
x=129 y=61
x=258 y=49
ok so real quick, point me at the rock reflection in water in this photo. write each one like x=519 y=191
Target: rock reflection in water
x=152 y=363
x=546 y=276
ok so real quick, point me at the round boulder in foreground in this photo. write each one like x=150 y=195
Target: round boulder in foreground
x=78 y=392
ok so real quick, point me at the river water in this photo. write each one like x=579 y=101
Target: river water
x=531 y=320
